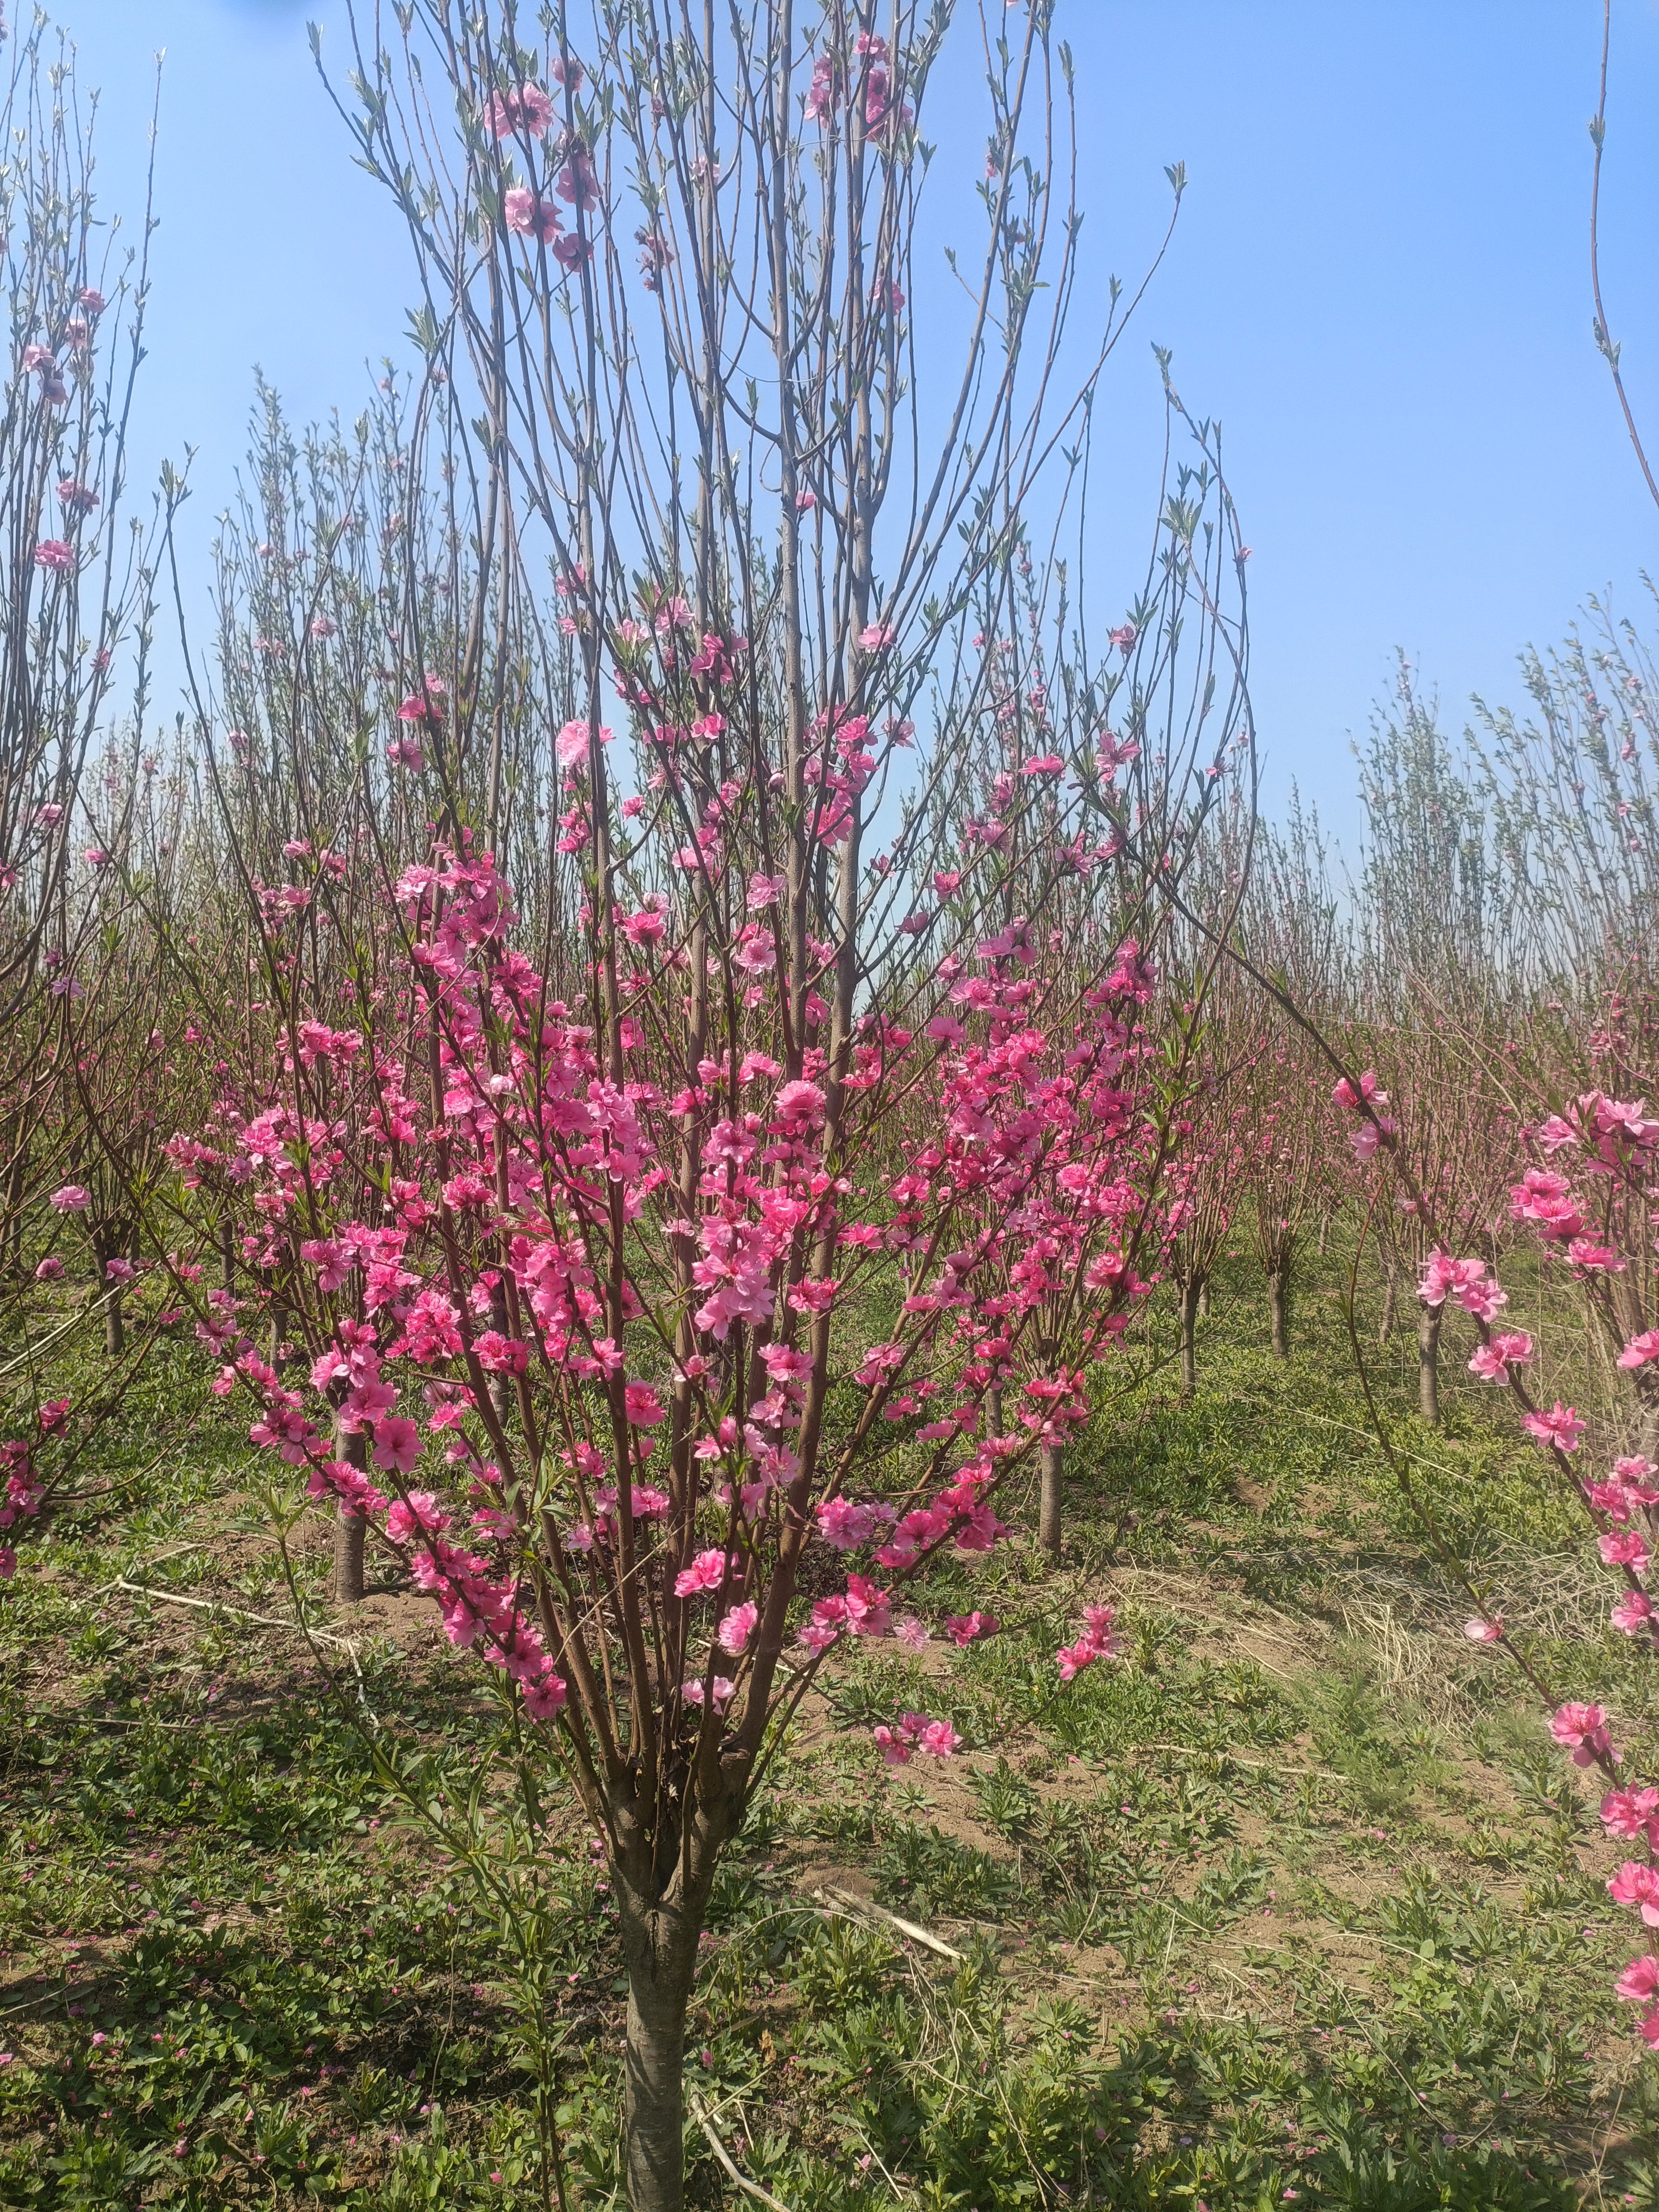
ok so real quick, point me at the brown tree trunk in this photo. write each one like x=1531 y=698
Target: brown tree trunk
x=1390 y=1300
x=1204 y=1300
x=659 y=1944
x=115 y=1335
x=500 y=1386
x=1051 y=1459
x=350 y=1528
x=1278 y=1307
x=993 y=1409
x=1188 y=1349
x=1428 y=1363
x=16 y=1182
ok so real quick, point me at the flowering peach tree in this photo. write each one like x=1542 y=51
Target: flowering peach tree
x=1586 y=1188
x=734 y=1190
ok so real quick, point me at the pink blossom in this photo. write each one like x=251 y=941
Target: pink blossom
x=1485 y=1632
x=1637 y=1883
x=1624 y=1548
x=1494 y=1360
x=1582 y=1729
x=966 y=1628
x=571 y=744
x=1641 y=1349
x=724 y=1690
x=1639 y=1983
x=643 y=1407
x=911 y=1632
x=420 y=1513
x=521 y=210
x=738 y=1626
x=524 y=109
x=1370 y=1090
x=50 y=1270
x=1630 y=1812
x=1585 y=1253
x=845 y=1525
x=53 y=553
x=1561 y=1427
x=1368 y=1138
x=1097 y=1641
x=867 y=1610
x=543 y=1694
x=72 y=1198
x=1633 y=1612
x=916 y=1732
x=397 y=1443
x=798 y=1108
x=577 y=182
x=706 y=1572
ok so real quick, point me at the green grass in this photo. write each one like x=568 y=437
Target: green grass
x=1293 y=1905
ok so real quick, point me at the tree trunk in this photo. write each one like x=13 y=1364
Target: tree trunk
x=1278 y=1307
x=1428 y=1365
x=1390 y=1299
x=659 y=1943
x=654 y=2111
x=1189 y=1350
x=1204 y=1300
x=115 y=1335
x=1049 y=1469
x=16 y=1182
x=500 y=1386
x=993 y=1409
x=350 y=1528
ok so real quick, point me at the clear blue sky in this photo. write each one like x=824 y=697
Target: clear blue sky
x=1379 y=283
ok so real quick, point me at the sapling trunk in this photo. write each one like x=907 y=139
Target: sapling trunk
x=115 y=1335
x=1278 y=1307
x=1428 y=1363
x=1390 y=1300
x=660 y=1968
x=1050 y=1471
x=16 y=1183
x=659 y=1937
x=350 y=1528
x=1204 y=1300
x=500 y=1386
x=1189 y=1291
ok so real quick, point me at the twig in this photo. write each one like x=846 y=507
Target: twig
x=749 y=2187
x=860 y=1905
x=1267 y=1766
x=236 y=1611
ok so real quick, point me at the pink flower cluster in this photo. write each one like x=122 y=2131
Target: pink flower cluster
x=1098 y=1641
x=914 y=1733
x=1368 y=1100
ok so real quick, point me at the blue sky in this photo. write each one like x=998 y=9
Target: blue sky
x=1379 y=283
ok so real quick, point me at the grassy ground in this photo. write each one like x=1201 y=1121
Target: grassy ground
x=1294 y=1903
